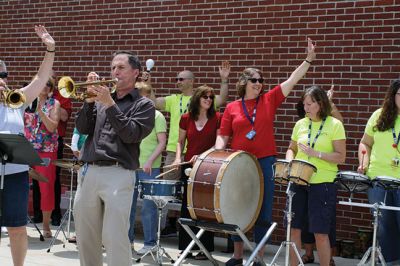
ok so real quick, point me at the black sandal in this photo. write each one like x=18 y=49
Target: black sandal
x=307 y=259
x=188 y=256
x=200 y=256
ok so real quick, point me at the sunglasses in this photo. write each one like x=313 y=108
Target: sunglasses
x=3 y=75
x=206 y=97
x=180 y=79
x=254 y=80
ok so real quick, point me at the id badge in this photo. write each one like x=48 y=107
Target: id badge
x=395 y=162
x=251 y=134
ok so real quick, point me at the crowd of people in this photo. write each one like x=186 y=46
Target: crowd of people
x=120 y=137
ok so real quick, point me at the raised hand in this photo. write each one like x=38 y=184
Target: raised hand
x=146 y=76
x=46 y=37
x=311 y=55
x=330 y=93
x=224 y=70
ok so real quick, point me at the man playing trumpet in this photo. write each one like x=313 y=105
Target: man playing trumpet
x=115 y=125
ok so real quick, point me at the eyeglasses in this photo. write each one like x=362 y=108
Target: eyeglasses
x=180 y=79
x=254 y=80
x=206 y=97
x=3 y=75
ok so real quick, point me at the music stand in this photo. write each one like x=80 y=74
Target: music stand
x=18 y=150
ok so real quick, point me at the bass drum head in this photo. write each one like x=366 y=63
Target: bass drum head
x=241 y=191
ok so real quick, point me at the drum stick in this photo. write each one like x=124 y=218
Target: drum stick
x=166 y=172
x=69 y=146
x=362 y=158
x=175 y=165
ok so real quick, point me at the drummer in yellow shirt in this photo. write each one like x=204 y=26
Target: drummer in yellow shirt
x=379 y=155
x=320 y=140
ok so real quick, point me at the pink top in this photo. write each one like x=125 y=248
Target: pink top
x=37 y=133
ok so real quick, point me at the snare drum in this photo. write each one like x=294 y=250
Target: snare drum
x=387 y=182
x=301 y=171
x=281 y=168
x=352 y=182
x=165 y=190
x=226 y=186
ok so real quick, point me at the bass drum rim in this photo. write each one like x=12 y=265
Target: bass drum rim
x=219 y=179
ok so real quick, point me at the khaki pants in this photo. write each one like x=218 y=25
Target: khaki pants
x=101 y=211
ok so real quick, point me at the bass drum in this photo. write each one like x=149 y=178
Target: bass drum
x=226 y=186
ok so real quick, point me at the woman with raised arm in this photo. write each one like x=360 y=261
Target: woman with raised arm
x=249 y=122
x=16 y=184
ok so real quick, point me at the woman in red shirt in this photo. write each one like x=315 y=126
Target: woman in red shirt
x=249 y=123
x=199 y=128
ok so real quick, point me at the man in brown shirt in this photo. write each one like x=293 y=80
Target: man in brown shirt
x=115 y=124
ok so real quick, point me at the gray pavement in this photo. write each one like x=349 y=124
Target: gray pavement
x=68 y=255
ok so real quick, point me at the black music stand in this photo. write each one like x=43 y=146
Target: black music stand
x=18 y=150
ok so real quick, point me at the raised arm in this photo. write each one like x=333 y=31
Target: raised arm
x=39 y=81
x=224 y=71
x=300 y=71
x=335 y=112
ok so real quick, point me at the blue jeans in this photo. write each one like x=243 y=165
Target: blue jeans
x=389 y=222
x=148 y=212
x=264 y=219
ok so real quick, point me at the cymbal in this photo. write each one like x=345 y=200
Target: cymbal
x=67 y=163
x=37 y=176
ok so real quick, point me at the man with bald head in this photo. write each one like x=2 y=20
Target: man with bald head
x=177 y=105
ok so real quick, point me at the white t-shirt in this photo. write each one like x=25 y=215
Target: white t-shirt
x=12 y=122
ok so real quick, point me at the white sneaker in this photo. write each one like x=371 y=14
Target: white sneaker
x=144 y=250
x=4 y=230
x=133 y=248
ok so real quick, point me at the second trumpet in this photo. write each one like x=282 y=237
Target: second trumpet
x=69 y=89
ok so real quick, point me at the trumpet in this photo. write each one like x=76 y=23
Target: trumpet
x=14 y=99
x=69 y=89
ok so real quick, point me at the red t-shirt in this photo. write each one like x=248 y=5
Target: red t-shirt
x=199 y=141
x=235 y=123
x=67 y=105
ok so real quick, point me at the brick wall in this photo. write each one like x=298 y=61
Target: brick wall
x=358 y=50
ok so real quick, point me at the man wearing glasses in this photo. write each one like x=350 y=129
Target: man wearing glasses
x=177 y=105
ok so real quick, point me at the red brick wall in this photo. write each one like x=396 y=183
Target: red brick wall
x=358 y=50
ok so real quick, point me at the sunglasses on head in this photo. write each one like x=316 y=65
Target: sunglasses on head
x=254 y=80
x=3 y=75
x=180 y=79
x=206 y=97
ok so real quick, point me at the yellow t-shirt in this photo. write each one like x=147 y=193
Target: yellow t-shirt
x=176 y=105
x=149 y=143
x=332 y=130
x=382 y=153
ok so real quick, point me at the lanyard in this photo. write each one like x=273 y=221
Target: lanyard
x=180 y=106
x=395 y=140
x=253 y=118
x=318 y=133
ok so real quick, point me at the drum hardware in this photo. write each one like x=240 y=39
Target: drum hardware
x=288 y=243
x=261 y=244
x=216 y=227
x=161 y=192
x=352 y=182
x=291 y=172
x=67 y=215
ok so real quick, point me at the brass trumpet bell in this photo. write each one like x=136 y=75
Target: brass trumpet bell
x=69 y=89
x=14 y=99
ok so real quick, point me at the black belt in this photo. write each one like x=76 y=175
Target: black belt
x=104 y=163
